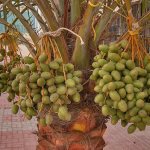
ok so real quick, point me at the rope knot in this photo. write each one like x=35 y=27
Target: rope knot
x=58 y=33
x=135 y=29
x=135 y=32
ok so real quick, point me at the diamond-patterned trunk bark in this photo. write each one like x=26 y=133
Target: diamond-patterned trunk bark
x=84 y=132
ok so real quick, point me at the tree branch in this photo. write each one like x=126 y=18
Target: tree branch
x=81 y=53
x=53 y=25
x=37 y=16
x=75 y=11
x=28 y=27
x=4 y=4
x=144 y=18
x=104 y=20
x=26 y=42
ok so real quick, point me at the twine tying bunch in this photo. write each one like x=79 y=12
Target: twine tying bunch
x=58 y=33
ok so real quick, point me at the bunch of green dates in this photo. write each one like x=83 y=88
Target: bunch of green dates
x=5 y=69
x=2 y=54
x=46 y=86
x=122 y=86
x=4 y=76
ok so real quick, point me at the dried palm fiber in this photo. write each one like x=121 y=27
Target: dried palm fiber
x=83 y=132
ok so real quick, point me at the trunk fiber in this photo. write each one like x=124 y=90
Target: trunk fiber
x=84 y=132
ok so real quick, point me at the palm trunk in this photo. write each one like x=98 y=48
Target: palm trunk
x=84 y=132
